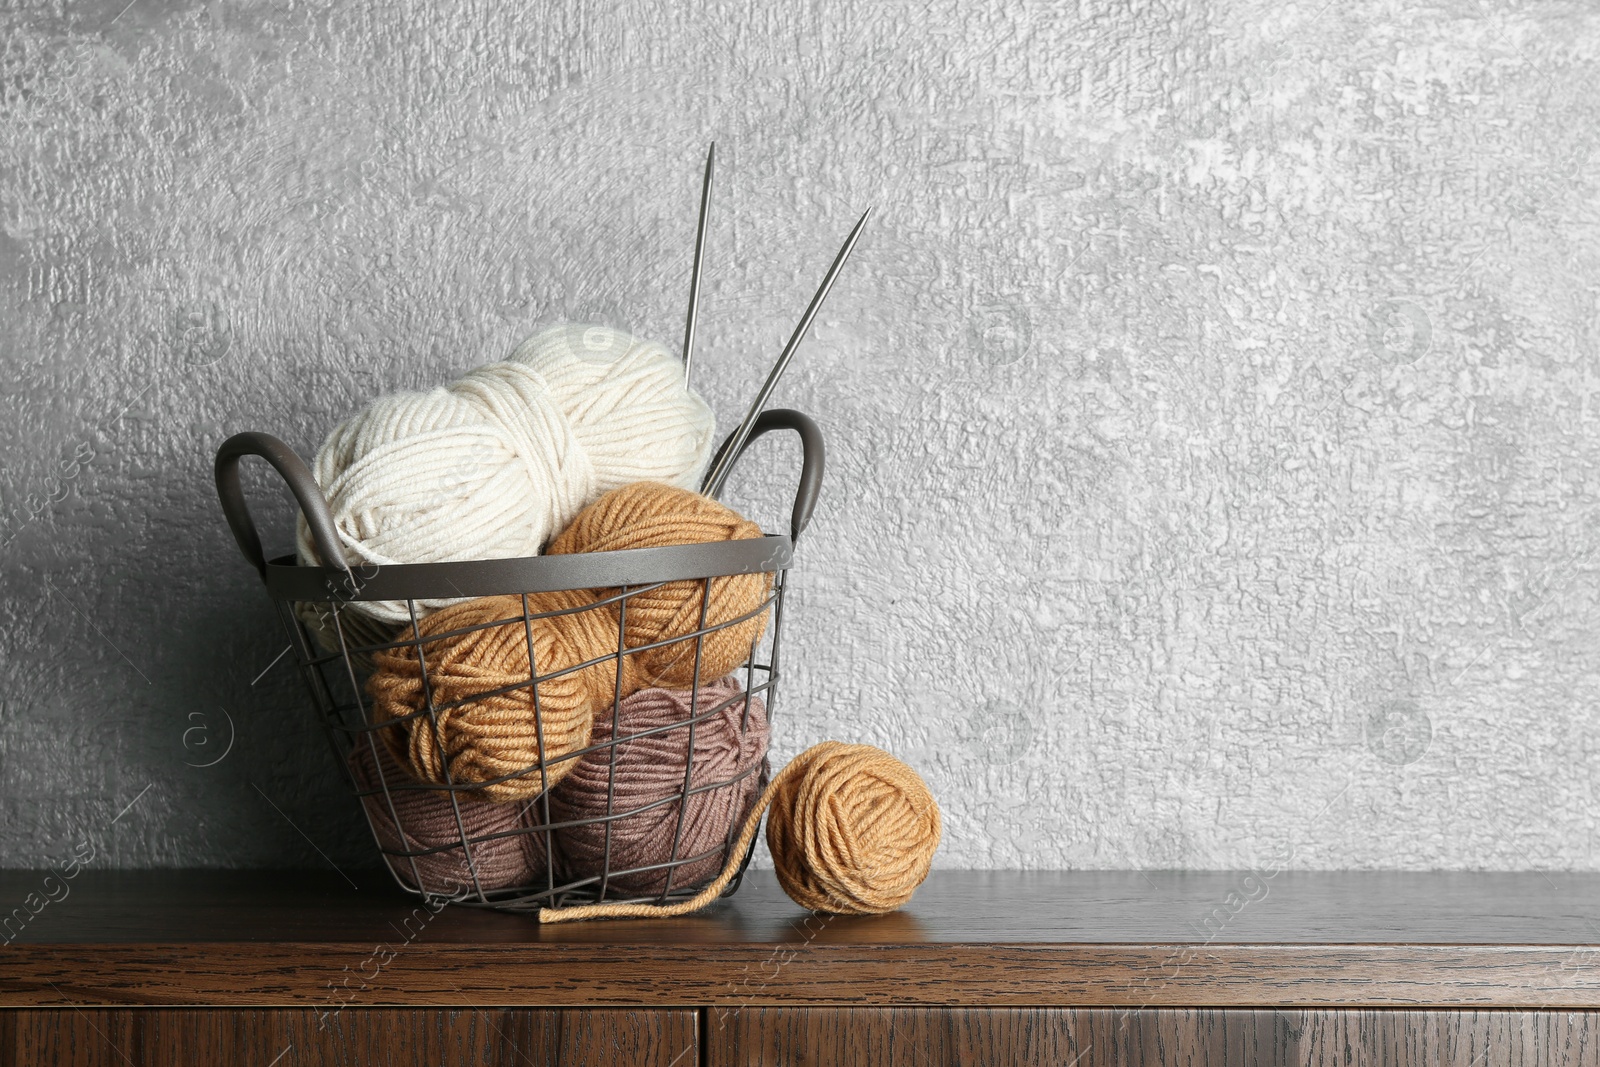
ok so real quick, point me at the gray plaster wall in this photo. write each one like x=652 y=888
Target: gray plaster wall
x=1212 y=403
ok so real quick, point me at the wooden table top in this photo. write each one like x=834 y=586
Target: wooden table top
x=1081 y=938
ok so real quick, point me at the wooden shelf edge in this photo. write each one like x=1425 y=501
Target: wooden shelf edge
x=728 y=977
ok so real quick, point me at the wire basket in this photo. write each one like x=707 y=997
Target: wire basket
x=458 y=856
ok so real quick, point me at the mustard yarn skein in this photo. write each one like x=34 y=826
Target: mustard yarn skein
x=488 y=735
x=654 y=515
x=852 y=831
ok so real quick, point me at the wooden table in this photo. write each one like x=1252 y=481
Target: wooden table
x=1086 y=968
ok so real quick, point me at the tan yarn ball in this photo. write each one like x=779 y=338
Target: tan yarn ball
x=852 y=831
x=653 y=515
x=489 y=735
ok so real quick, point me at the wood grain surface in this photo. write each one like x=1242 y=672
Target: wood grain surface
x=935 y=1037
x=1081 y=939
x=492 y=1037
x=1121 y=976
x=961 y=907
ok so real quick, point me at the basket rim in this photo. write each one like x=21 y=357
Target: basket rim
x=286 y=579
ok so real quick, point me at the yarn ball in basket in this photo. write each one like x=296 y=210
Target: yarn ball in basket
x=484 y=734
x=640 y=781
x=427 y=820
x=486 y=725
x=852 y=830
x=653 y=515
x=494 y=464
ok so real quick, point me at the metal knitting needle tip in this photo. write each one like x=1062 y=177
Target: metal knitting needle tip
x=712 y=486
x=699 y=254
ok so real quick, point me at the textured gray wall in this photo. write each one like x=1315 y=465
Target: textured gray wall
x=1212 y=403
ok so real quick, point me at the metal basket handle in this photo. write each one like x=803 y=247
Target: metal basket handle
x=812 y=452
x=313 y=505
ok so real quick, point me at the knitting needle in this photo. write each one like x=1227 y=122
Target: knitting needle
x=699 y=253
x=712 y=485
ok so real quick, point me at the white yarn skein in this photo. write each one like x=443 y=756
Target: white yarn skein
x=495 y=464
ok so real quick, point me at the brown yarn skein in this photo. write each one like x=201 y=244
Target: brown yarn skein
x=487 y=737
x=643 y=776
x=428 y=820
x=853 y=831
x=653 y=515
